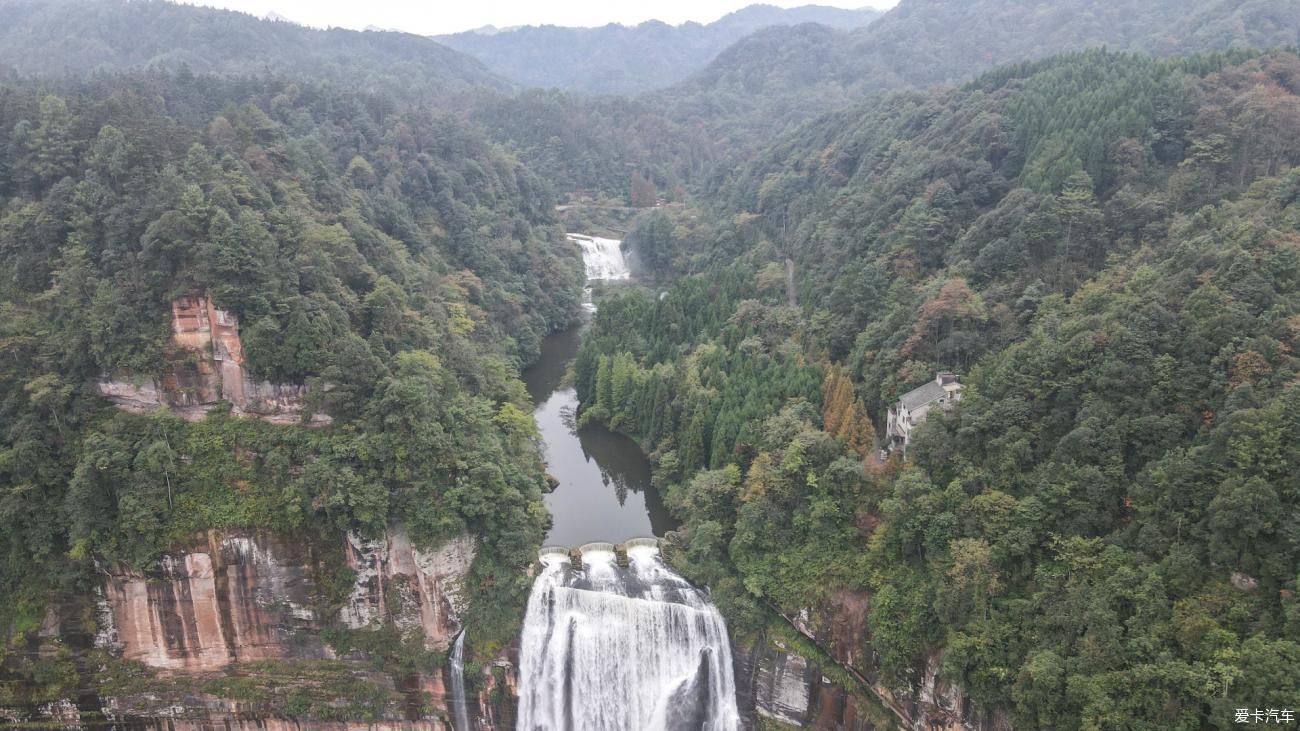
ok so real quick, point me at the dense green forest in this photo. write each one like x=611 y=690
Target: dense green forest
x=619 y=59
x=595 y=146
x=781 y=76
x=777 y=76
x=391 y=257
x=1105 y=534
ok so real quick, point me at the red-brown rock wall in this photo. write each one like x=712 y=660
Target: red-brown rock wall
x=239 y=598
x=206 y=366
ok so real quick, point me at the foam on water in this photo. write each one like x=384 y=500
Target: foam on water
x=607 y=648
x=459 y=704
x=603 y=258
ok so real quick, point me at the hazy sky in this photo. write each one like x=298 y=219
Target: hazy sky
x=448 y=16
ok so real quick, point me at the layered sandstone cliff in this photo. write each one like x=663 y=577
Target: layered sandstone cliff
x=226 y=603
x=775 y=682
x=205 y=368
x=237 y=597
x=227 y=599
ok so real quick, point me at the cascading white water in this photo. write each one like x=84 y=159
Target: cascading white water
x=612 y=649
x=459 y=709
x=603 y=258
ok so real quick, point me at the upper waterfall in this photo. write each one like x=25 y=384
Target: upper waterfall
x=459 y=705
x=603 y=257
x=612 y=649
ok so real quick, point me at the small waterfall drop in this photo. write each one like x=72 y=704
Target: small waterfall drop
x=607 y=648
x=603 y=258
x=459 y=709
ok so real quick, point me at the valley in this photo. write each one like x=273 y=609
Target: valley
x=930 y=367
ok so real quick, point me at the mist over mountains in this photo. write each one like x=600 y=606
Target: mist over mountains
x=619 y=59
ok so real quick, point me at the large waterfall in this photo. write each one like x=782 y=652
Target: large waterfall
x=607 y=648
x=602 y=257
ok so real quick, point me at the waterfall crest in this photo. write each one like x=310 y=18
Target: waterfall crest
x=603 y=258
x=613 y=649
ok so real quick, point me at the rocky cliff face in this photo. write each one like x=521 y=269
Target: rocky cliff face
x=238 y=597
x=412 y=587
x=773 y=682
x=230 y=608
x=229 y=599
x=205 y=367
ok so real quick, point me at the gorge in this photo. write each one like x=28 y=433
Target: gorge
x=347 y=386
x=602 y=490
x=228 y=602
x=608 y=646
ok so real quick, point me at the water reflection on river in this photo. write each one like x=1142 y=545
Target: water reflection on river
x=604 y=491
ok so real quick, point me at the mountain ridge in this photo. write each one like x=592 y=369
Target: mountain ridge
x=629 y=59
x=54 y=37
x=783 y=75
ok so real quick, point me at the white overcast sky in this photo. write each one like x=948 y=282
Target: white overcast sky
x=431 y=17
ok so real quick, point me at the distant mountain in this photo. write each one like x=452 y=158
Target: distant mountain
x=618 y=59
x=779 y=77
x=76 y=36
x=787 y=74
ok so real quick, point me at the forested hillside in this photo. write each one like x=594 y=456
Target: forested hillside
x=575 y=143
x=767 y=81
x=597 y=144
x=780 y=76
x=619 y=59
x=361 y=228
x=1105 y=246
x=393 y=260
x=791 y=74
x=57 y=37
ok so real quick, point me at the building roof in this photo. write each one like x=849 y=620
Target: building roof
x=919 y=397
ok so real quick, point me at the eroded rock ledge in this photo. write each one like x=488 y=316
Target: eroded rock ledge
x=411 y=587
x=205 y=368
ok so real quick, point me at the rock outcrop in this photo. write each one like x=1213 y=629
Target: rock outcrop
x=396 y=580
x=226 y=599
x=498 y=697
x=241 y=597
x=775 y=683
x=204 y=368
x=238 y=598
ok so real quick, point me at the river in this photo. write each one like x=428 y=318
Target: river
x=611 y=641
x=604 y=491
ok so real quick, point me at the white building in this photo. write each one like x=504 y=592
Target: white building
x=915 y=405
